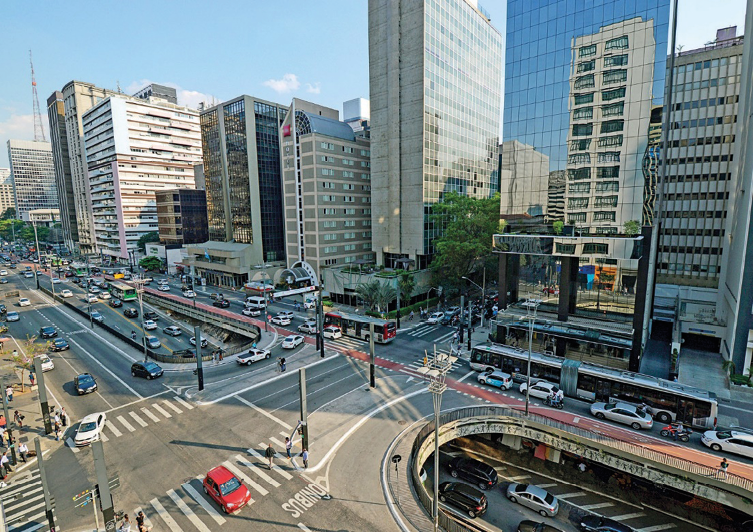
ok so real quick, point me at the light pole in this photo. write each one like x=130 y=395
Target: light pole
x=483 y=294
x=427 y=298
x=436 y=372
x=531 y=317
x=39 y=259
x=140 y=293
x=263 y=268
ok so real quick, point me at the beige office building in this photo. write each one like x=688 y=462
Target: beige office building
x=7 y=198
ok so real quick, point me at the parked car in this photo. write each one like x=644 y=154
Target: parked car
x=204 y=341
x=332 y=331
x=173 y=330
x=147 y=370
x=254 y=355
x=90 y=429
x=96 y=316
x=152 y=342
x=534 y=498
x=532 y=526
x=184 y=353
x=482 y=475
x=221 y=303
x=149 y=325
x=131 y=312
x=47 y=332
x=468 y=499
x=47 y=363
x=598 y=523
x=66 y=293
x=84 y=383
x=291 y=342
x=731 y=441
x=542 y=390
x=435 y=318
x=59 y=344
x=497 y=378
x=623 y=413
x=226 y=490
x=115 y=303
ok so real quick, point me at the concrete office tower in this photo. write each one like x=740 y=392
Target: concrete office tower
x=134 y=148
x=7 y=198
x=700 y=162
x=33 y=175
x=735 y=303
x=435 y=81
x=523 y=180
x=156 y=90
x=71 y=174
x=610 y=114
x=327 y=189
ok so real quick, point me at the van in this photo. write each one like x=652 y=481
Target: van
x=255 y=302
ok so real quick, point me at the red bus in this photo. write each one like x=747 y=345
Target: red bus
x=357 y=326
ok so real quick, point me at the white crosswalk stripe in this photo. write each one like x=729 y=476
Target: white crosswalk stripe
x=164 y=515
x=257 y=471
x=275 y=467
x=71 y=445
x=184 y=403
x=109 y=425
x=187 y=511
x=126 y=424
x=244 y=477
x=195 y=495
x=137 y=419
x=172 y=407
x=151 y=416
x=23 y=502
x=161 y=410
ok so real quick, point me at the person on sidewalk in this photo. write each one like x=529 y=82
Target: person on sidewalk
x=23 y=451
x=305 y=456
x=57 y=430
x=19 y=419
x=9 y=393
x=32 y=378
x=269 y=453
x=125 y=525
x=723 y=468
x=288 y=446
x=5 y=464
x=64 y=417
x=141 y=523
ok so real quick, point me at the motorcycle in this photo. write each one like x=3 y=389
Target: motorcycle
x=555 y=403
x=677 y=431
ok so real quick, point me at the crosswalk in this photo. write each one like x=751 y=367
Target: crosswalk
x=425 y=330
x=23 y=503
x=188 y=508
x=131 y=421
x=418 y=363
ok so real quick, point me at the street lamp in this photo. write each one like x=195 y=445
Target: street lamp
x=436 y=371
x=427 y=298
x=263 y=267
x=483 y=294
x=140 y=293
x=39 y=259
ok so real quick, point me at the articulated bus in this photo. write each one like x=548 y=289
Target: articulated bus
x=668 y=401
x=123 y=291
x=357 y=326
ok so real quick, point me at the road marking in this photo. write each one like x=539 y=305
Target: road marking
x=147 y=522
x=628 y=516
x=136 y=401
x=161 y=410
x=149 y=414
x=172 y=407
x=104 y=437
x=257 y=470
x=656 y=527
x=187 y=511
x=137 y=419
x=264 y=412
x=165 y=516
x=520 y=477
x=121 y=381
x=275 y=467
x=597 y=505
x=576 y=419
x=571 y=495
x=126 y=424
x=70 y=443
x=550 y=485
x=114 y=430
x=184 y=403
x=245 y=478
x=195 y=495
x=304 y=527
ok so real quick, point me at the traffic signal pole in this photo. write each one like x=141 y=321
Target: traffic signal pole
x=48 y=501
x=304 y=408
x=199 y=368
x=103 y=484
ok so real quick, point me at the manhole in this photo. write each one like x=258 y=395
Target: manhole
x=402 y=422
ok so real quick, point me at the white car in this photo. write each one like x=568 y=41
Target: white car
x=66 y=293
x=333 y=332
x=94 y=290
x=542 y=390
x=47 y=363
x=254 y=355
x=729 y=440
x=497 y=378
x=92 y=298
x=286 y=314
x=189 y=293
x=164 y=288
x=279 y=320
x=104 y=295
x=204 y=342
x=28 y=275
x=251 y=312
x=307 y=328
x=435 y=318
x=291 y=342
x=55 y=280
x=90 y=429
x=3 y=272
x=24 y=302
x=149 y=325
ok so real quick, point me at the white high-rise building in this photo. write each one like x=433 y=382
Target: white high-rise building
x=33 y=175
x=7 y=198
x=133 y=148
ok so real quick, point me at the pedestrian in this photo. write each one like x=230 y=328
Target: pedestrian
x=141 y=523
x=305 y=456
x=5 y=464
x=57 y=430
x=215 y=358
x=125 y=525
x=269 y=453
x=9 y=393
x=282 y=365
x=56 y=419
x=18 y=418
x=723 y=468
x=221 y=354
x=23 y=450
x=410 y=318
x=288 y=446
x=64 y=417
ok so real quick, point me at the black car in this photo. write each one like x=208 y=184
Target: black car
x=131 y=312
x=148 y=370
x=186 y=353
x=48 y=332
x=3 y=308
x=533 y=526
x=468 y=499
x=482 y=475
x=222 y=303
x=115 y=302
x=76 y=280
x=151 y=316
x=59 y=344
x=84 y=383
x=598 y=523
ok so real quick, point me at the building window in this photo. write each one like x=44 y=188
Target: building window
x=610 y=126
x=580 y=145
x=348 y=199
x=366 y=164
x=615 y=61
x=327 y=146
x=348 y=174
x=614 y=76
x=606 y=201
x=585 y=82
x=565 y=249
x=579 y=188
x=577 y=203
x=367 y=199
x=586 y=66
x=329 y=223
x=330 y=236
x=580 y=173
x=349 y=211
x=365 y=176
x=587 y=51
x=330 y=249
x=348 y=186
x=365 y=211
x=366 y=234
x=606 y=230
x=347 y=149
x=366 y=153
x=349 y=247
x=583 y=113
x=579 y=158
x=595 y=248
x=620 y=43
x=613 y=109
x=575 y=217
x=604 y=216
x=328 y=211
x=582 y=130
x=349 y=235
x=584 y=98
x=608 y=186
x=608 y=172
x=328 y=184
x=327 y=159
x=329 y=198
x=348 y=162
x=328 y=171
x=613 y=94
x=330 y=262
x=609 y=157
x=615 y=140
x=350 y=223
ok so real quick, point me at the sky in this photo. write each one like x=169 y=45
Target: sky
x=219 y=50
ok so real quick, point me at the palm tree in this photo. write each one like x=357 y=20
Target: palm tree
x=384 y=295
x=367 y=292
x=407 y=284
x=728 y=366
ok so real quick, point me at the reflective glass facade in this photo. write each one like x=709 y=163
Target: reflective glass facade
x=213 y=175
x=236 y=153
x=268 y=121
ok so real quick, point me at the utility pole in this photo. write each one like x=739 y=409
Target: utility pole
x=103 y=485
x=49 y=502
x=304 y=407
x=43 y=403
x=39 y=258
x=462 y=320
x=320 y=325
x=199 y=367
x=372 y=377
x=470 y=323
x=10 y=432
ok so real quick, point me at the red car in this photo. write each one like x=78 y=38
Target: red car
x=226 y=489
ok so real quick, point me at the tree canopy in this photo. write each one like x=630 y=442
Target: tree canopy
x=151 y=263
x=8 y=214
x=469 y=225
x=152 y=236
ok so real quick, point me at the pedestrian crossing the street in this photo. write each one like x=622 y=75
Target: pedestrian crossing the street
x=186 y=508
x=23 y=503
x=131 y=421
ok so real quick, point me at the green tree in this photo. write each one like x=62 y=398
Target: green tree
x=151 y=263
x=25 y=361
x=469 y=225
x=6 y=228
x=407 y=284
x=368 y=293
x=9 y=214
x=383 y=296
x=147 y=238
x=558 y=226
x=632 y=227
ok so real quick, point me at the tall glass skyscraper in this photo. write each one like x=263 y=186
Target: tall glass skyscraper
x=435 y=78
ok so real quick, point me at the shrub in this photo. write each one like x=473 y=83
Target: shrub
x=740 y=379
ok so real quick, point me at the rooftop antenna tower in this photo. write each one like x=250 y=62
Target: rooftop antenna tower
x=38 y=127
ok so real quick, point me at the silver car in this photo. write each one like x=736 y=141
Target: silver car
x=535 y=498
x=622 y=413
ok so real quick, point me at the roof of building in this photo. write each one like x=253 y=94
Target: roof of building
x=311 y=123
x=216 y=245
